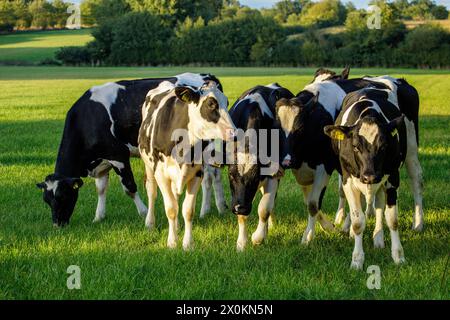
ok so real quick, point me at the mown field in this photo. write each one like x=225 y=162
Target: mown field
x=120 y=259
x=33 y=47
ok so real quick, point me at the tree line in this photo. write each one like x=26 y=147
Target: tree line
x=225 y=33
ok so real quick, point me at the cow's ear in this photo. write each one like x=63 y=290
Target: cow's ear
x=337 y=132
x=41 y=185
x=187 y=94
x=74 y=183
x=346 y=72
x=395 y=124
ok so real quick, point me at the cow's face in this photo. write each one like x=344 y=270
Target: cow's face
x=290 y=117
x=244 y=179
x=61 y=195
x=208 y=113
x=366 y=147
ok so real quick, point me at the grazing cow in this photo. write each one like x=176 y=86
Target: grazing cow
x=254 y=112
x=179 y=116
x=100 y=134
x=333 y=89
x=370 y=137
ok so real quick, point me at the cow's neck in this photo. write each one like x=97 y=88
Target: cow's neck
x=69 y=162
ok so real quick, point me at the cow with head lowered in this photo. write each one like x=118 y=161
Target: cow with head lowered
x=370 y=138
x=255 y=162
x=332 y=90
x=176 y=120
x=100 y=134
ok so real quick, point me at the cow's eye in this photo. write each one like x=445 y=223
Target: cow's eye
x=212 y=105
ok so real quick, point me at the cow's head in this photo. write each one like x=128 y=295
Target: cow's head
x=291 y=115
x=208 y=111
x=366 y=146
x=323 y=74
x=61 y=194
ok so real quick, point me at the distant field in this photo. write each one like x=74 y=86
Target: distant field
x=410 y=24
x=32 y=47
x=120 y=259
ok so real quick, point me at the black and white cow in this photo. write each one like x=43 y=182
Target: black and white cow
x=179 y=116
x=332 y=89
x=100 y=134
x=254 y=113
x=370 y=137
x=305 y=147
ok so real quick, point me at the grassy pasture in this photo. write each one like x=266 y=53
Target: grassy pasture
x=32 y=47
x=120 y=259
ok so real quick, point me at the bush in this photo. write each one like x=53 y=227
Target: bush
x=73 y=55
x=140 y=38
x=49 y=62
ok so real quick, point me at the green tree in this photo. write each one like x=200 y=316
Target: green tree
x=323 y=14
x=439 y=12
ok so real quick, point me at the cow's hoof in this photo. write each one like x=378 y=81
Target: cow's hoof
x=150 y=225
x=417 y=227
x=307 y=238
x=378 y=240
x=257 y=239
x=171 y=244
x=357 y=265
x=188 y=245
x=357 y=261
x=398 y=256
x=240 y=246
x=98 y=219
x=203 y=214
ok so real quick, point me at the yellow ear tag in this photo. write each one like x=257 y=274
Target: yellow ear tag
x=184 y=96
x=75 y=186
x=338 y=135
x=394 y=133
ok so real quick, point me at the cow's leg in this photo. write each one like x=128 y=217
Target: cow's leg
x=189 y=210
x=206 y=193
x=170 y=206
x=391 y=215
x=101 y=184
x=265 y=208
x=315 y=197
x=218 y=192
x=243 y=237
x=358 y=223
x=380 y=204
x=123 y=169
x=415 y=174
x=152 y=192
x=340 y=213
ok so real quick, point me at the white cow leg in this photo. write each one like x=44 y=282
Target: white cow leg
x=310 y=228
x=265 y=208
x=206 y=193
x=416 y=176
x=170 y=206
x=189 y=210
x=358 y=223
x=219 y=193
x=391 y=215
x=321 y=179
x=380 y=204
x=340 y=213
x=101 y=184
x=152 y=191
x=243 y=237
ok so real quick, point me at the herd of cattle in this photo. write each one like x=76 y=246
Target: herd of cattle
x=364 y=128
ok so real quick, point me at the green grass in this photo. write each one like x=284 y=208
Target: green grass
x=32 y=47
x=120 y=259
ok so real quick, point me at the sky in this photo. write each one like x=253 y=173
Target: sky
x=269 y=3
x=357 y=3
